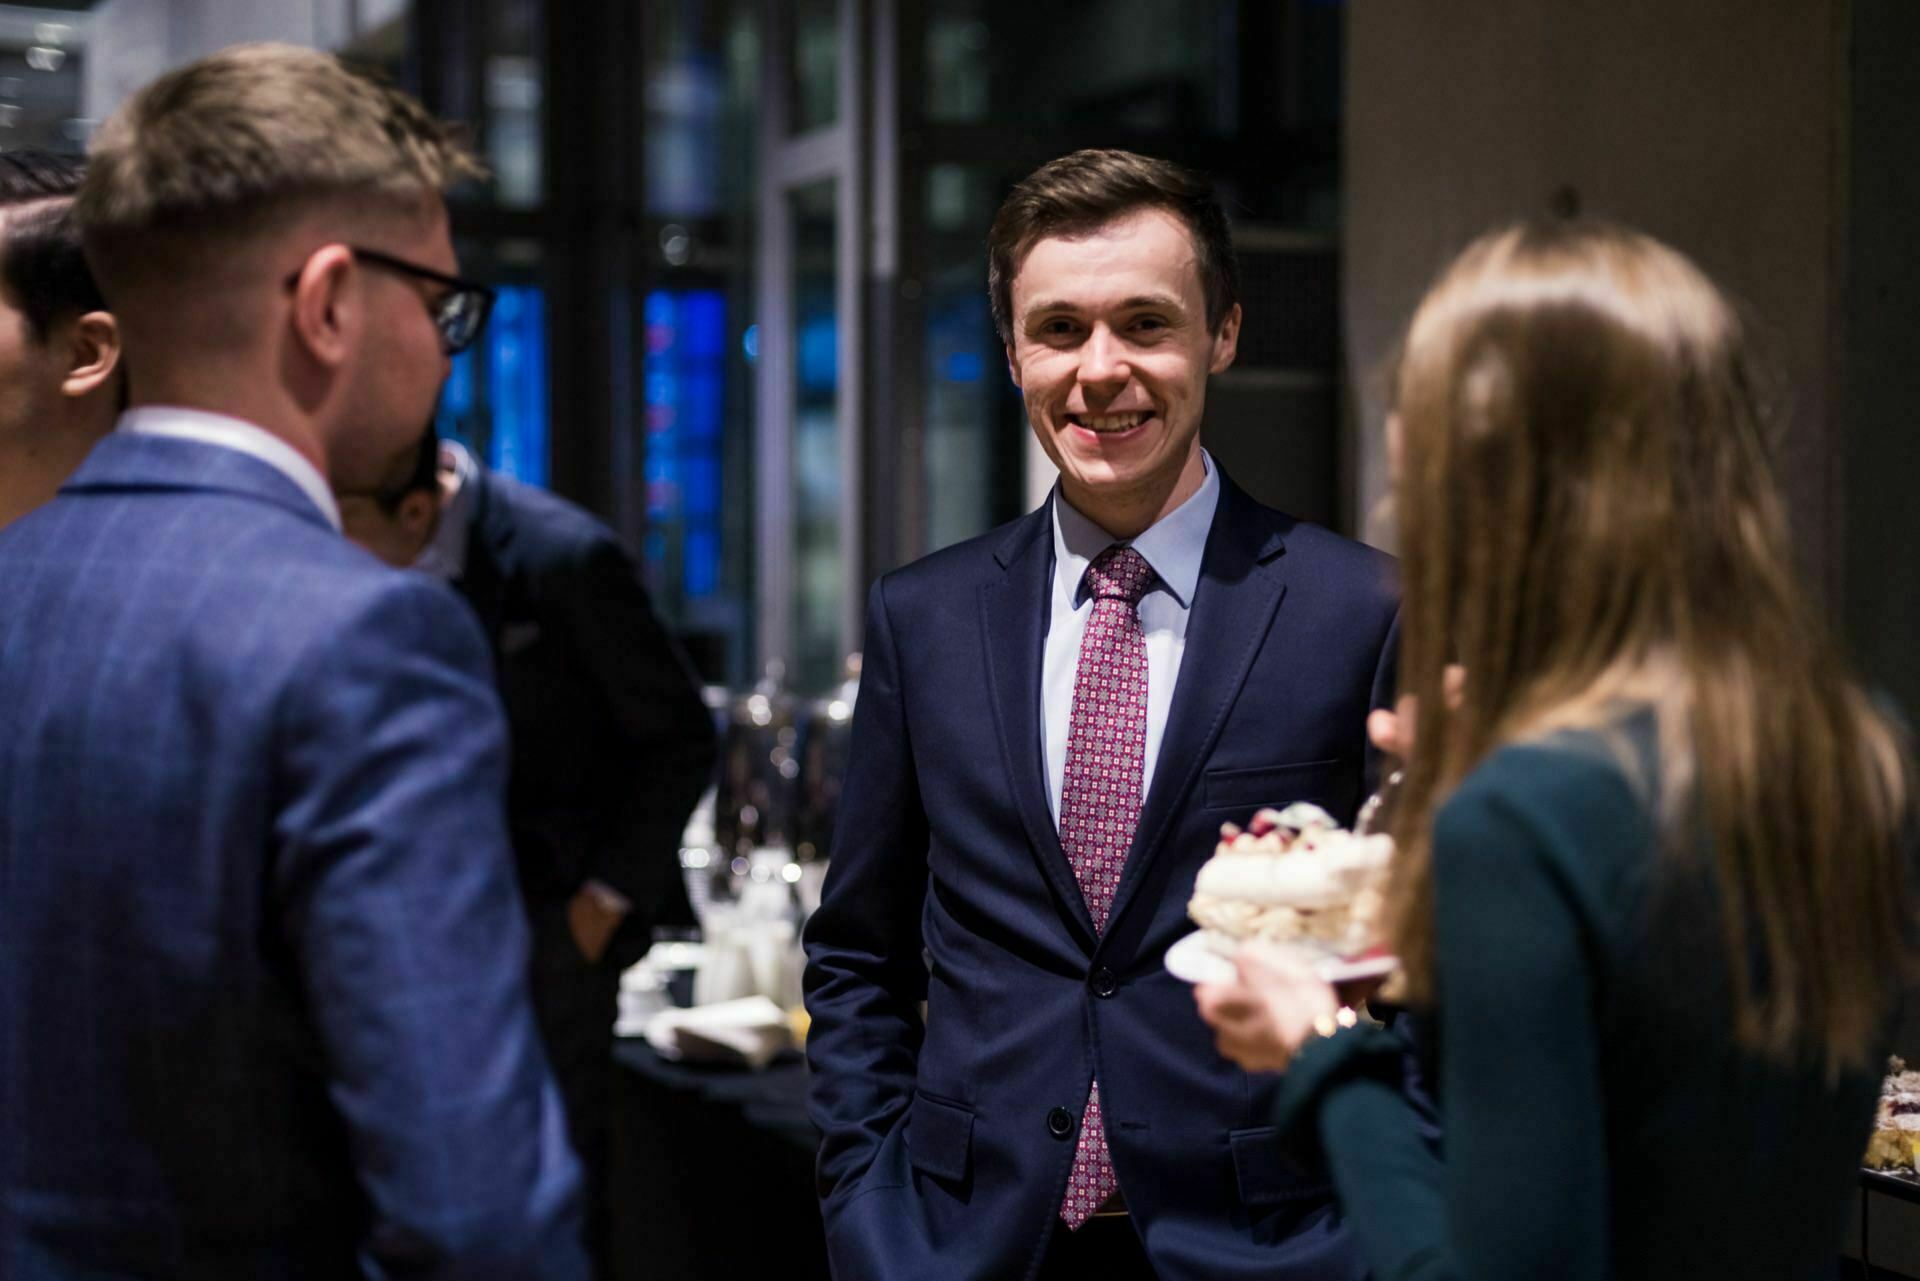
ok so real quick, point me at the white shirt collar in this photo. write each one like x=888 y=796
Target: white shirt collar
x=233 y=433
x=1174 y=545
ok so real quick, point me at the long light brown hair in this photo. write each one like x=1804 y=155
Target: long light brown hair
x=1590 y=522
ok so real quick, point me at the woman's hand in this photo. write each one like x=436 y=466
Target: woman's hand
x=1262 y=1020
x=1393 y=731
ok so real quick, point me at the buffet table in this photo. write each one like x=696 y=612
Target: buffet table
x=713 y=1178
x=1894 y=1183
x=1886 y=1221
x=713 y=1171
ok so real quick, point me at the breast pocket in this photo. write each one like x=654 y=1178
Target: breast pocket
x=1330 y=784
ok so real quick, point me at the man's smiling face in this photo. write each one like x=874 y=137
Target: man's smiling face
x=1111 y=352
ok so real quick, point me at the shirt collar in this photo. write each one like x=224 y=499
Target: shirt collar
x=233 y=433
x=445 y=555
x=1173 y=545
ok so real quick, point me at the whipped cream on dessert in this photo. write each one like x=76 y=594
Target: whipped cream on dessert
x=1294 y=876
x=1895 y=1141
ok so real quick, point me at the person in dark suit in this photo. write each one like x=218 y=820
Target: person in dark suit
x=60 y=388
x=263 y=999
x=611 y=742
x=1054 y=720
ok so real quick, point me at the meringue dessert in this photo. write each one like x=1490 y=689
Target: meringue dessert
x=1895 y=1141
x=1297 y=877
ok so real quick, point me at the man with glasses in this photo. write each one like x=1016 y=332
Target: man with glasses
x=459 y=307
x=263 y=1000
x=611 y=742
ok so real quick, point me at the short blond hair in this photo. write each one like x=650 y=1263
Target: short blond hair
x=229 y=143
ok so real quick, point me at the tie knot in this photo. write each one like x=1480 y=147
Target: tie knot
x=1119 y=573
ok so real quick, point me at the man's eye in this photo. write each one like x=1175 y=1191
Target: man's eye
x=1150 y=323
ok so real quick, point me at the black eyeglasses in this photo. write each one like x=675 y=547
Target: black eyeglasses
x=459 y=314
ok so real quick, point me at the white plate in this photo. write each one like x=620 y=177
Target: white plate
x=1203 y=957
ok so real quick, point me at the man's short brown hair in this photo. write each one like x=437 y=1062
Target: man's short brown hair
x=1084 y=191
x=229 y=142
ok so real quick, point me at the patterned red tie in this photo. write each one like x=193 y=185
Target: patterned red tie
x=1100 y=798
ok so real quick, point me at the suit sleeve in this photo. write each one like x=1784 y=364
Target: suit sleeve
x=662 y=725
x=865 y=978
x=1386 y=680
x=397 y=897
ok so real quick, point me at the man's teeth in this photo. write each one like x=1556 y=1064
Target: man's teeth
x=1112 y=422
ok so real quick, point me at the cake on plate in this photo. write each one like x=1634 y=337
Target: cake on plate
x=1895 y=1141
x=1294 y=876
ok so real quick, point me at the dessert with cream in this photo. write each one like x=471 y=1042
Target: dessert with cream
x=1895 y=1141
x=1294 y=876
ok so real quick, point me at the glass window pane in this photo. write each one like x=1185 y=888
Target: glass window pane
x=959 y=71
x=700 y=337
x=686 y=374
x=495 y=400
x=516 y=342
x=814 y=69
x=700 y=83
x=42 y=82
x=1138 y=65
x=819 y=564
x=975 y=435
x=514 y=91
x=965 y=374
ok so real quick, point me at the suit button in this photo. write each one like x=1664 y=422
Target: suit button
x=1102 y=982
x=1059 y=1123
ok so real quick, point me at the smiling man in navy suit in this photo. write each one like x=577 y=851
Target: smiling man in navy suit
x=1054 y=720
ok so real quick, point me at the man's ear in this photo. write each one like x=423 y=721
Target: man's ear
x=1226 y=343
x=1013 y=366
x=326 y=312
x=93 y=354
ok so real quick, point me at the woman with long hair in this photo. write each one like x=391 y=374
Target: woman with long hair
x=1651 y=892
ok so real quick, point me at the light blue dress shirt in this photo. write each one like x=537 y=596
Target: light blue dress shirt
x=1173 y=546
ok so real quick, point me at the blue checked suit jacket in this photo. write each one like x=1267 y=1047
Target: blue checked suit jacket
x=262 y=999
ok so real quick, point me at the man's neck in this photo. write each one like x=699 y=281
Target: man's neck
x=233 y=398
x=1131 y=514
x=31 y=474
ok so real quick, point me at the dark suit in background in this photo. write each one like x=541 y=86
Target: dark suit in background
x=947 y=1144
x=611 y=748
x=263 y=1010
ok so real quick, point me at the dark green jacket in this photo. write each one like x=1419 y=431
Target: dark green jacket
x=1597 y=1118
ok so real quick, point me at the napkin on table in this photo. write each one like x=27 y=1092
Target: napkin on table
x=750 y=1030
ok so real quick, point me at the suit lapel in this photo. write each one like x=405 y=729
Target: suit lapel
x=1241 y=583
x=489 y=547
x=1014 y=611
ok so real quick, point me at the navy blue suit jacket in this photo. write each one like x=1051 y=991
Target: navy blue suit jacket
x=263 y=1005
x=612 y=744
x=941 y=1156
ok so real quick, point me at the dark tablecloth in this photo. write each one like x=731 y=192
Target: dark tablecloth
x=713 y=1172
